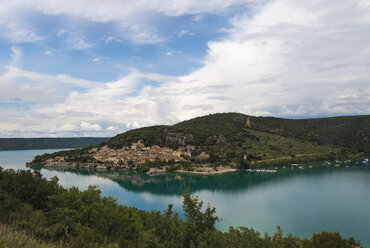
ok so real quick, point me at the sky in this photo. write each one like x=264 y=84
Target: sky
x=98 y=68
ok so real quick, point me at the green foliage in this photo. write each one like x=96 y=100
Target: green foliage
x=329 y=240
x=196 y=219
x=347 y=131
x=172 y=168
x=150 y=136
x=76 y=156
x=143 y=168
x=72 y=218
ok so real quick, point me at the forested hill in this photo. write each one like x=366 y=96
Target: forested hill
x=234 y=129
x=228 y=139
x=348 y=131
x=47 y=143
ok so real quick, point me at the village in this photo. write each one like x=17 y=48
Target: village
x=134 y=155
x=138 y=153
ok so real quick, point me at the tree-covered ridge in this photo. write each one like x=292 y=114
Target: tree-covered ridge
x=7 y=144
x=229 y=136
x=74 y=218
x=348 y=131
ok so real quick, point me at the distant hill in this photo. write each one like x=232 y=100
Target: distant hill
x=237 y=129
x=47 y=143
x=228 y=139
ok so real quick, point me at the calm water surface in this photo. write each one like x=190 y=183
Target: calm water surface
x=300 y=201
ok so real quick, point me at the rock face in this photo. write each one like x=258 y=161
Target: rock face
x=248 y=122
x=240 y=120
x=179 y=139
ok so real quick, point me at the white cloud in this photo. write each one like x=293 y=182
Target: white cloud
x=48 y=52
x=114 y=10
x=184 y=32
x=86 y=126
x=23 y=35
x=111 y=128
x=74 y=40
x=136 y=18
x=16 y=56
x=292 y=58
x=111 y=39
x=79 y=44
x=197 y=17
x=17 y=34
x=62 y=32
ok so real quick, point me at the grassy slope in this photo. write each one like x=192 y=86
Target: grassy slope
x=349 y=131
x=17 y=239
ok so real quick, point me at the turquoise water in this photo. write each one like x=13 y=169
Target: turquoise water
x=300 y=201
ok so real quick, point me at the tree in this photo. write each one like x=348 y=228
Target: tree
x=197 y=223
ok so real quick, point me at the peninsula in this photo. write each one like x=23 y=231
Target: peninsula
x=222 y=142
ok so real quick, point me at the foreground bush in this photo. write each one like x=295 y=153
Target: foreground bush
x=75 y=218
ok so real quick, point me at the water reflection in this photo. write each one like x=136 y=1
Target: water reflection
x=176 y=183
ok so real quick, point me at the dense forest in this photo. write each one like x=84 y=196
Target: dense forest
x=244 y=141
x=7 y=144
x=51 y=214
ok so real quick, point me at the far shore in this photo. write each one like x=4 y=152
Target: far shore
x=202 y=170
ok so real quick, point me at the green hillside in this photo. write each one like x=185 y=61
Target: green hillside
x=226 y=135
x=349 y=131
x=247 y=141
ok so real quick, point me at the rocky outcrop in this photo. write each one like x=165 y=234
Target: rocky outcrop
x=240 y=120
x=179 y=139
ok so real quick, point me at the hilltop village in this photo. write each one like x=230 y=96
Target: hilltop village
x=128 y=157
x=139 y=153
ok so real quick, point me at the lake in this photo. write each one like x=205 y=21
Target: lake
x=300 y=201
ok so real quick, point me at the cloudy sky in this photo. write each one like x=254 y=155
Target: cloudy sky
x=98 y=68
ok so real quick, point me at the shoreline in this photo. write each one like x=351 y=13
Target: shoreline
x=207 y=170
x=152 y=171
